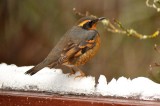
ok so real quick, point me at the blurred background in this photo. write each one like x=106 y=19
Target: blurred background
x=29 y=29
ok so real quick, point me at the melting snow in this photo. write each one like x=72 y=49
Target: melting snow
x=53 y=80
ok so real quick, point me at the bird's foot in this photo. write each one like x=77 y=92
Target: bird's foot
x=82 y=74
x=72 y=72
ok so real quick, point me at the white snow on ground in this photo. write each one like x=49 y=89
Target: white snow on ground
x=53 y=80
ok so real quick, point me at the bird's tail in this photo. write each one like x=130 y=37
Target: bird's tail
x=37 y=68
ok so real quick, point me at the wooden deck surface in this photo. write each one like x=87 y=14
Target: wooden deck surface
x=17 y=98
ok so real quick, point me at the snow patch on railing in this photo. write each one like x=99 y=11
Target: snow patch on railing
x=53 y=80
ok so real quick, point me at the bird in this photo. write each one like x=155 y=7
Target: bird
x=76 y=47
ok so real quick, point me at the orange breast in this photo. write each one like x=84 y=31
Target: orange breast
x=89 y=54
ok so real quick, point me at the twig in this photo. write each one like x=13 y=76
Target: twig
x=78 y=13
x=81 y=14
x=157 y=49
x=117 y=27
x=155 y=4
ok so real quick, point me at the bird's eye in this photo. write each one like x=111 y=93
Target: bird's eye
x=88 y=25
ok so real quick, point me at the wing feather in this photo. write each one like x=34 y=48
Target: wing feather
x=74 y=43
x=76 y=50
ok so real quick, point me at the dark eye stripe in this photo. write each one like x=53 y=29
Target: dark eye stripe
x=88 y=25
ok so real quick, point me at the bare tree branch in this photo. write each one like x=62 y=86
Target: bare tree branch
x=117 y=27
x=155 y=4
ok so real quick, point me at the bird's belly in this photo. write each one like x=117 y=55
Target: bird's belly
x=88 y=55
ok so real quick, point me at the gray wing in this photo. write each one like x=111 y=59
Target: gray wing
x=70 y=44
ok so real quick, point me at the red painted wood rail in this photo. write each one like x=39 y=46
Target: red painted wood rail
x=17 y=98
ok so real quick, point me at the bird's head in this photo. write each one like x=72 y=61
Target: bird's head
x=89 y=22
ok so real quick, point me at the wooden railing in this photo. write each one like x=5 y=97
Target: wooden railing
x=17 y=98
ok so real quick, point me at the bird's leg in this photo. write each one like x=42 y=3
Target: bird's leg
x=74 y=69
x=82 y=74
x=71 y=68
x=72 y=72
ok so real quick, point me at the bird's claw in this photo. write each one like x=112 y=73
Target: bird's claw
x=80 y=76
x=70 y=74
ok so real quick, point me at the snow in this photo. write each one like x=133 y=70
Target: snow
x=49 y=80
x=138 y=88
x=54 y=81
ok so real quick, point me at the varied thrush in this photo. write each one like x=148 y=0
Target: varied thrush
x=75 y=48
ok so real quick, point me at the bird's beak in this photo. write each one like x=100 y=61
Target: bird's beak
x=98 y=19
x=101 y=18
